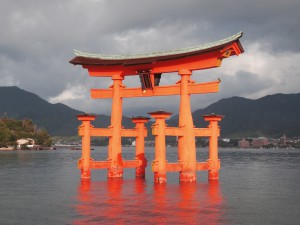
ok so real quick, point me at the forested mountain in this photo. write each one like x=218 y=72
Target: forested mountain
x=12 y=130
x=57 y=119
x=272 y=115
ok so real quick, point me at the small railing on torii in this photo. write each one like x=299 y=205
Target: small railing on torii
x=149 y=68
x=185 y=162
x=86 y=131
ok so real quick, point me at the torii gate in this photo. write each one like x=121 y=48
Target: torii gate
x=150 y=67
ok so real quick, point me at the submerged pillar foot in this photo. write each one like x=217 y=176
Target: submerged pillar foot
x=85 y=174
x=115 y=172
x=187 y=176
x=140 y=172
x=160 y=178
x=213 y=175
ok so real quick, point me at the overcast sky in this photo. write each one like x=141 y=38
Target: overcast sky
x=37 y=40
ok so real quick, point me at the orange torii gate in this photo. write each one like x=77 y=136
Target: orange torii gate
x=149 y=68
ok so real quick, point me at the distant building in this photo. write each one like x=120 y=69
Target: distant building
x=227 y=140
x=243 y=143
x=282 y=140
x=133 y=144
x=259 y=142
x=29 y=142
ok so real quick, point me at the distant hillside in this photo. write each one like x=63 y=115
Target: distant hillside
x=12 y=130
x=272 y=116
x=57 y=119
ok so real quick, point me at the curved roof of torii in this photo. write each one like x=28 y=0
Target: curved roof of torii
x=148 y=58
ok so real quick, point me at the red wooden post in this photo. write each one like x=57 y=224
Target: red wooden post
x=186 y=143
x=115 y=145
x=213 y=160
x=159 y=163
x=85 y=161
x=140 y=144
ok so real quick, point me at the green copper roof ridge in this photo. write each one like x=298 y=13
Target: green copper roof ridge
x=163 y=53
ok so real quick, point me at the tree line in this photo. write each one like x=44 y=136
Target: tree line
x=12 y=130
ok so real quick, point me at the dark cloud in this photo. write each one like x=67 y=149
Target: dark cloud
x=37 y=40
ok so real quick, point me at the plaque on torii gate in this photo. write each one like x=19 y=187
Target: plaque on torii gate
x=149 y=68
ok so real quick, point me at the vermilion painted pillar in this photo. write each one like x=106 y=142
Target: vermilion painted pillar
x=186 y=143
x=86 y=145
x=140 y=144
x=115 y=145
x=159 y=163
x=213 y=159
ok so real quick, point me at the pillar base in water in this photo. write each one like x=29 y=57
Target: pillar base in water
x=85 y=174
x=213 y=175
x=187 y=176
x=160 y=178
x=140 y=172
x=115 y=172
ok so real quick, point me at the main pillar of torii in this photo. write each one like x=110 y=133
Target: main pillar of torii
x=148 y=67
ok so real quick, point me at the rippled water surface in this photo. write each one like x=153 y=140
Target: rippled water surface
x=256 y=186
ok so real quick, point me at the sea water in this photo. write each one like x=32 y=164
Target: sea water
x=256 y=186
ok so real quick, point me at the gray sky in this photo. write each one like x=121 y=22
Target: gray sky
x=37 y=40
